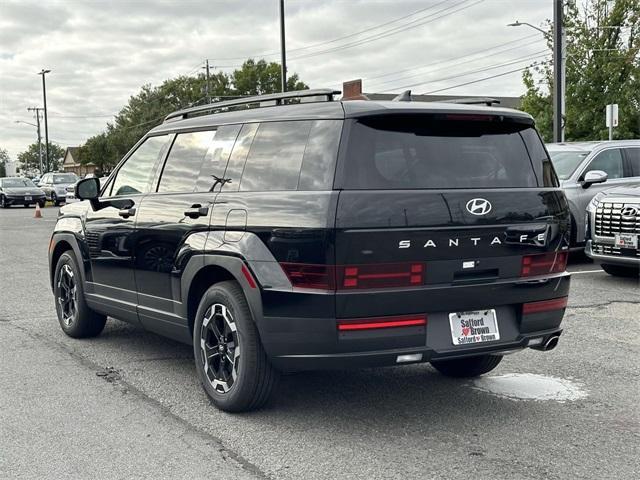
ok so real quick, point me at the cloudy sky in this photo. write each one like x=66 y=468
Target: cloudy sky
x=101 y=52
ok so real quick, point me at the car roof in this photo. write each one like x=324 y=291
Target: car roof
x=336 y=110
x=592 y=145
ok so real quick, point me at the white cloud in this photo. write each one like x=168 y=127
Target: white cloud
x=101 y=53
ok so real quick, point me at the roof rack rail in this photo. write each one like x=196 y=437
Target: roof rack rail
x=278 y=98
x=488 y=101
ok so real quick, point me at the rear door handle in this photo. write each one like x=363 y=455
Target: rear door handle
x=197 y=211
x=127 y=212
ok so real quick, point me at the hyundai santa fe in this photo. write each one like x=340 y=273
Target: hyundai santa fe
x=293 y=232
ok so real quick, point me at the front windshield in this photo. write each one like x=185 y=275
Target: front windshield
x=16 y=182
x=66 y=178
x=566 y=161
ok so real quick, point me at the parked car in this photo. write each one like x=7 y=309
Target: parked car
x=613 y=230
x=71 y=190
x=586 y=169
x=55 y=186
x=322 y=234
x=19 y=191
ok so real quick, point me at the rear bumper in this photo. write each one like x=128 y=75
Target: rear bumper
x=308 y=342
x=21 y=200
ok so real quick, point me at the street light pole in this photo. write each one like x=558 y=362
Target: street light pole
x=46 y=124
x=207 y=86
x=283 y=66
x=37 y=110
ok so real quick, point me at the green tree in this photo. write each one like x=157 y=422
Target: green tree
x=148 y=108
x=4 y=158
x=29 y=159
x=602 y=67
x=259 y=78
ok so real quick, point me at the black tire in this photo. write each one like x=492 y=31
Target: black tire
x=255 y=378
x=54 y=199
x=42 y=203
x=3 y=202
x=77 y=321
x=467 y=367
x=621 y=270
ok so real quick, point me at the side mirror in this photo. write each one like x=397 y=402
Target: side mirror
x=594 y=176
x=88 y=189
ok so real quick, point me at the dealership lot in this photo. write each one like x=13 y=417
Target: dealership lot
x=128 y=403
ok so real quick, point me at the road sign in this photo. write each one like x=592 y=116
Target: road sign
x=612 y=113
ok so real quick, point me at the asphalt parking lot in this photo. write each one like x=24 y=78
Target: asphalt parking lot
x=128 y=403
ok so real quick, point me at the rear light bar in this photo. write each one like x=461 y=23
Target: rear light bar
x=382 y=322
x=543 y=263
x=353 y=277
x=545 y=306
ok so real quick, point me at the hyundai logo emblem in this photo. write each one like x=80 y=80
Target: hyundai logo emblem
x=478 y=206
x=629 y=212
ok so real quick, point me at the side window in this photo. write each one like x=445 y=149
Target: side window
x=319 y=162
x=609 y=161
x=184 y=161
x=540 y=160
x=633 y=156
x=275 y=157
x=215 y=162
x=239 y=156
x=135 y=175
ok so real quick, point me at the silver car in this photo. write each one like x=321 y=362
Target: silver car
x=586 y=169
x=55 y=185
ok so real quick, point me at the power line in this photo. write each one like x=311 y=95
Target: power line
x=453 y=65
x=476 y=81
x=542 y=53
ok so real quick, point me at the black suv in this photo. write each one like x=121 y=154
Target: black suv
x=293 y=232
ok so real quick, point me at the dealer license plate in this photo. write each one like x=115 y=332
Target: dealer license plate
x=28 y=198
x=474 y=327
x=626 y=240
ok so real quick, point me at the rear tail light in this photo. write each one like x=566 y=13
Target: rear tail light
x=544 y=306
x=352 y=277
x=380 y=275
x=541 y=264
x=381 y=322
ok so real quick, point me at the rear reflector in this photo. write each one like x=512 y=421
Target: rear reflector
x=382 y=322
x=351 y=277
x=541 y=264
x=248 y=277
x=544 y=306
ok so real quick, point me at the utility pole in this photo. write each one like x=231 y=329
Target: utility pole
x=37 y=113
x=558 y=71
x=283 y=66
x=207 y=86
x=46 y=124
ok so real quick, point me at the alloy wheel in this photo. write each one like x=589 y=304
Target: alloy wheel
x=220 y=347
x=67 y=295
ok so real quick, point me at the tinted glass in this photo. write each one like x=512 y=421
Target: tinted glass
x=16 y=182
x=275 y=156
x=540 y=160
x=215 y=161
x=239 y=156
x=185 y=159
x=318 y=164
x=65 y=178
x=566 y=162
x=405 y=152
x=609 y=161
x=135 y=175
x=633 y=155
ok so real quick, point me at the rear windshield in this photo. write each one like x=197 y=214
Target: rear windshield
x=420 y=152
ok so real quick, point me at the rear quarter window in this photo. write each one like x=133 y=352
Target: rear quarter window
x=428 y=152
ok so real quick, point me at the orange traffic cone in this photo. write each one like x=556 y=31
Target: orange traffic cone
x=38 y=213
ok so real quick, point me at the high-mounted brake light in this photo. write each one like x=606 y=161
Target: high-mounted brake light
x=543 y=263
x=544 y=306
x=352 y=277
x=381 y=322
x=469 y=117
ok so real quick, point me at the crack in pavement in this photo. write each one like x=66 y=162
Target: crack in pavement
x=605 y=304
x=127 y=387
